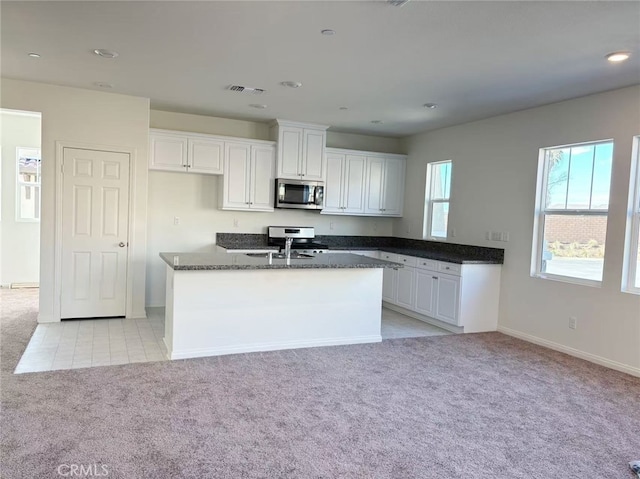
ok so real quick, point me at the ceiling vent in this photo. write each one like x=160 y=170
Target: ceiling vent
x=397 y=3
x=246 y=89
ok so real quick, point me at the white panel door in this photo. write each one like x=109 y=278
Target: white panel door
x=206 y=156
x=393 y=189
x=448 y=298
x=167 y=152
x=262 y=190
x=289 y=152
x=426 y=291
x=405 y=287
x=237 y=176
x=95 y=219
x=374 y=183
x=313 y=155
x=389 y=278
x=333 y=189
x=354 y=178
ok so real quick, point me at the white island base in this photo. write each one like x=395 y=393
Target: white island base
x=216 y=312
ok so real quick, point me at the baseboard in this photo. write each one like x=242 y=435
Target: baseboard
x=571 y=351
x=24 y=285
x=276 y=346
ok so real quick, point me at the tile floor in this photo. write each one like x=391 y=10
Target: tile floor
x=104 y=342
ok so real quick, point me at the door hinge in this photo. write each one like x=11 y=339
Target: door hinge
x=62 y=168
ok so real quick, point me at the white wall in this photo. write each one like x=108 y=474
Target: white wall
x=493 y=188
x=194 y=199
x=20 y=250
x=85 y=117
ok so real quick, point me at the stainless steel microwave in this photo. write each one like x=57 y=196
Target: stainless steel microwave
x=302 y=194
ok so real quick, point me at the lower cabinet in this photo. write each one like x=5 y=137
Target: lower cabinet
x=465 y=296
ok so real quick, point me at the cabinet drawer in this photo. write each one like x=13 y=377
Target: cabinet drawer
x=427 y=264
x=389 y=257
x=450 y=268
x=407 y=260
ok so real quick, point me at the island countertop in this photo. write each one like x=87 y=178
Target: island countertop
x=239 y=261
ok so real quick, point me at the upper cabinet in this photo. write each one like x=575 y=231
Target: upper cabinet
x=364 y=183
x=186 y=152
x=248 y=181
x=301 y=146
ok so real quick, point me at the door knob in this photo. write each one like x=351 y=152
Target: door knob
x=121 y=244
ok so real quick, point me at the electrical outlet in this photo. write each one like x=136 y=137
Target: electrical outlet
x=176 y=221
x=375 y=226
x=487 y=235
x=332 y=225
x=505 y=236
x=573 y=322
x=453 y=232
x=496 y=236
x=235 y=222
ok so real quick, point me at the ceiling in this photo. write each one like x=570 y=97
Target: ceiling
x=474 y=59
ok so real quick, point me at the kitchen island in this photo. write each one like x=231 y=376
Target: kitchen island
x=223 y=303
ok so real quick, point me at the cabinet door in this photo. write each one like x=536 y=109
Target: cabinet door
x=167 y=152
x=290 y=152
x=448 y=298
x=354 y=177
x=426 y=292
x=262 y=180
x=393 y=187
x=313 y=155
x=333 y=187
x=205 y=156
x=405 y=287
x=237 y=176
x=374 y=182
x=389 y=278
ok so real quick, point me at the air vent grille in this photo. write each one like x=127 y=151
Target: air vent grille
x=246 y=89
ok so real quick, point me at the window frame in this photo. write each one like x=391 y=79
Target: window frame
x=541 y=212
x=19 y=183
x=430 y=201
x=632 y=242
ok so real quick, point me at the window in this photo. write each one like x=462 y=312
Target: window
x=28 y=184
x=631 y=277
x=571 y=214
x=437 y=199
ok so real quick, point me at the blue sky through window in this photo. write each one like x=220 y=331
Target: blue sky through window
x=579 y=177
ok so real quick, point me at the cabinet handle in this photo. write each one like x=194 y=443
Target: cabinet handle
x=434 y=277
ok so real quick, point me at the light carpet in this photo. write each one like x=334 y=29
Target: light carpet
x=460 y=406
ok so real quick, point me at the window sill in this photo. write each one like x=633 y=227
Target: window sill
x=631 y=291
x=568 y=279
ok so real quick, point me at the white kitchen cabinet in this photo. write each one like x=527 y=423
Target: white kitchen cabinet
x=345 y=184
x=185 y=152
x=463 y=298
x=385 y=186
x=168 y=152
x=205 y=156
x=364 y=183
x=248 y=181
x=301 y=148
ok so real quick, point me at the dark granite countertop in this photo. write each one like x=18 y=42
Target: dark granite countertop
x=435 y=250
x=240 y=261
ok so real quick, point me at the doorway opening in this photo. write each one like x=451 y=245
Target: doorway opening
x=20 y=175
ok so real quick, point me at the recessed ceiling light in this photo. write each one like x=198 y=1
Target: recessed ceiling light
x=616 y=57
x=101 y=52
x=376 y=122
x=328 y=31
x=291 y=84
x=258 y=106
x=431 y=106
x=34 y=55
x=103 y=84
x=343 y=108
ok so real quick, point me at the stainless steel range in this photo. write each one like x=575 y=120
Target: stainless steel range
x=303 y=239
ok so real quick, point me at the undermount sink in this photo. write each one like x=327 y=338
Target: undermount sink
x=294 y=255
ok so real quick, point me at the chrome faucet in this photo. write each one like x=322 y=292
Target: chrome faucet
x=287 y=247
